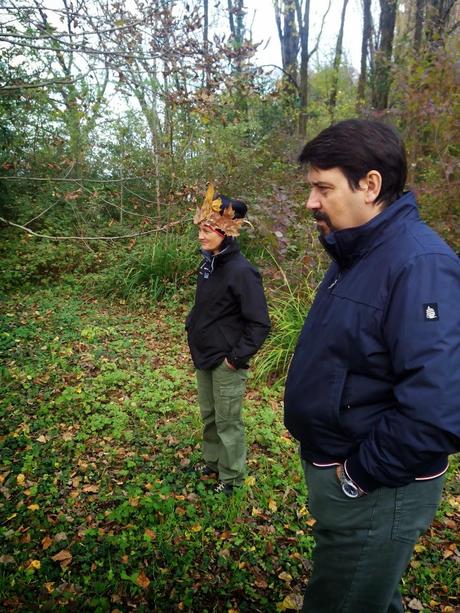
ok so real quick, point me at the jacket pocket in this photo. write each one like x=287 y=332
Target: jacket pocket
x=336 y=392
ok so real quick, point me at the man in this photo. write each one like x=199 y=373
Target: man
x=226 y=326
x=373 y=391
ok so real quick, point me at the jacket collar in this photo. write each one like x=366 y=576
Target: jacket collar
x=345 y=246
x=212 y=261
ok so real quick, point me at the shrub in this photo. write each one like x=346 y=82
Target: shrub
x=154 y=270
x=287 y=313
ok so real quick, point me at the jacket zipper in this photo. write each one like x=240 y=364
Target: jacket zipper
x=334 y=283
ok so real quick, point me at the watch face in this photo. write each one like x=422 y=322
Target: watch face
x=350 y=489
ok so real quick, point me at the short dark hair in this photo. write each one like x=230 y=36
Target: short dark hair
x=357 y=146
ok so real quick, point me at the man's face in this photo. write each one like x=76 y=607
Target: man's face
x=209 y=239
x=335 y=206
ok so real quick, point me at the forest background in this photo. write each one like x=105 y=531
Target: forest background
x=113 y=116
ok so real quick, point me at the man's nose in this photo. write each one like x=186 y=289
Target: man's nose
x=313 y=202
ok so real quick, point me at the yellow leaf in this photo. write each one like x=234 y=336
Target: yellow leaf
x=291 y=602
x=20 y=479
x=256 y=512
x=233 y=611
x=142 y=580
x=49 y=586
x=34 y=565
x=41 y=439
x=250 y=481
x=272 y=505
x=196 y=528
x=134 y=501
x=419 y=548
x=33 y=507
x=284 y=576
x=311 y=522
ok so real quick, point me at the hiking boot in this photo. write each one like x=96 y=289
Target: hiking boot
x=223 y=488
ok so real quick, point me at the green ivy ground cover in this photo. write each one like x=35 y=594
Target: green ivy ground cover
x=97 y=510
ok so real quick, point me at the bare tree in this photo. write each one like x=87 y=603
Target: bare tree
x=337 y=61
x=303 y=20
x=365 y=51
x=285 y=15
x=381 y=77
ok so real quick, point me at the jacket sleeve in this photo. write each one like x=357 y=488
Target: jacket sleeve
x=249 y=293
x=421 y=328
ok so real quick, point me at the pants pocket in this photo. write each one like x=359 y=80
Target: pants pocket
x=415 y=508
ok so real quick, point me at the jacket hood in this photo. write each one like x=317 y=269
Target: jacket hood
x=345 y=246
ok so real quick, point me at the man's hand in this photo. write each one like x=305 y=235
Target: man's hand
x=227 y=363
x=341 y=473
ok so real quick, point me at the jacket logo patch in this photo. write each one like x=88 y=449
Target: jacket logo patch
x=431 y=311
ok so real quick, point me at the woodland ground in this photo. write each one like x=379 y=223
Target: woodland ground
x=99 y=423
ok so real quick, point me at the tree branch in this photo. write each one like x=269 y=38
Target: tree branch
x=95 y=238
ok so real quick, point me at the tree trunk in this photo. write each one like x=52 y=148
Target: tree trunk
x=289 y=38
x=304 y=33
x=337 y=61
x=236 y=20
x=437 y=17
x=367 y=29
x=419 y=20
x=206 y=44
x=382 y=67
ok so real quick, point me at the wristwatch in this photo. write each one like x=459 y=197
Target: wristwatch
x=349 y=487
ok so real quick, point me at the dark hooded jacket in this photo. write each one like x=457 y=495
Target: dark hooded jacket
x=229 y=318
x=375 y=379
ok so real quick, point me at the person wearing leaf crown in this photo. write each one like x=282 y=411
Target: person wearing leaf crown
x=227 y=325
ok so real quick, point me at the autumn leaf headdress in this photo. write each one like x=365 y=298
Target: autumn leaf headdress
x=221 y=213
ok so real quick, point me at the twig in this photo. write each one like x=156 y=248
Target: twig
x=95 y=238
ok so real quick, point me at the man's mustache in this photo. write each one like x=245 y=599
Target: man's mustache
x=319 y=216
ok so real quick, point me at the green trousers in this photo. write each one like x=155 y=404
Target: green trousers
x=363 y=545
x=220 y=396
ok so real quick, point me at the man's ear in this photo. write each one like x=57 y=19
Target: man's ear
x=371 y=184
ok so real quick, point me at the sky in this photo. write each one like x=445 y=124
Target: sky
x=262 y=16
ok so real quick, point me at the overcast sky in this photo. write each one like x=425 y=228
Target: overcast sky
x=262 y=15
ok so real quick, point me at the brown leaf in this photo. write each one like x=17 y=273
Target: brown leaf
x=142 y=580
x=150 y=534
x=91 y=489
x=6 y=559
x=64 y=554
x=47 y=541
x=415 y=605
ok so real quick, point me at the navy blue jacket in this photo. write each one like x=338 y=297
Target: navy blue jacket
x=375 y=378
x=229 y=318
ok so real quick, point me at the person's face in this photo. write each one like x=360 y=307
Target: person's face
x=209 y=239
x=335 y=206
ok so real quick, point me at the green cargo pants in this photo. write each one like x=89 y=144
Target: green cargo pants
x=363 y=545
x=220 y=396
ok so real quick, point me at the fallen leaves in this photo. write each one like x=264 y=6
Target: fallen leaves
x=20 y=479
x=34 y=565
x=142 y=580
x=64 y=557
x=47 y=541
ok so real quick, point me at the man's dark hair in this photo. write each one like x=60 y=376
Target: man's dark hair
x=357 y=146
